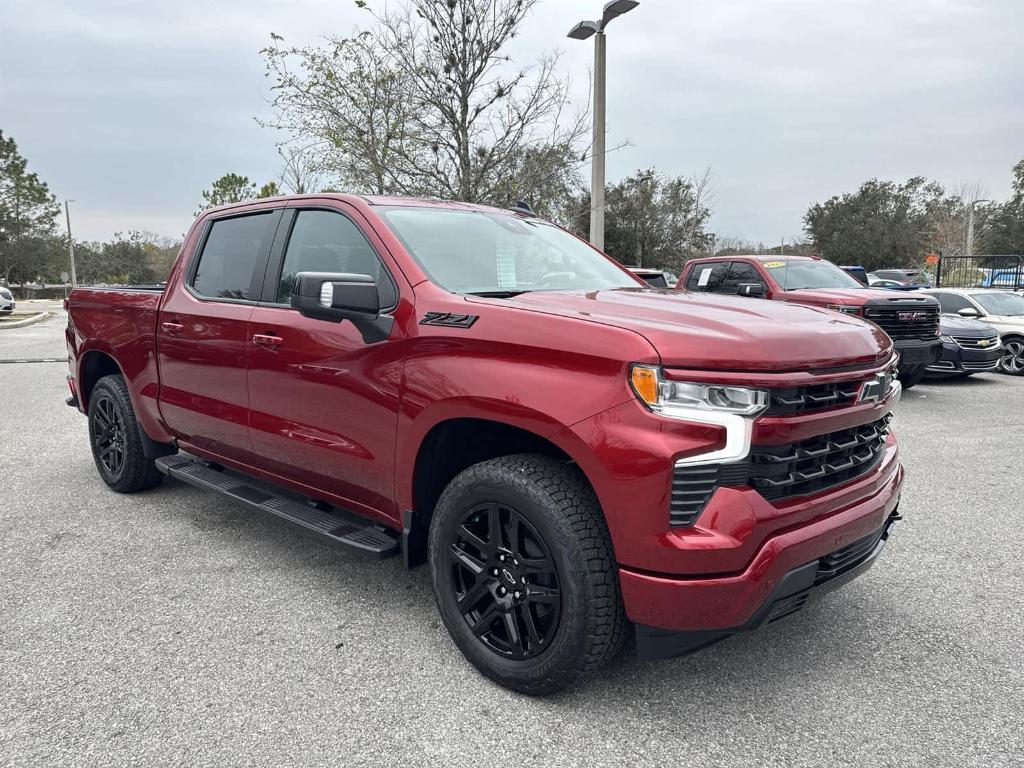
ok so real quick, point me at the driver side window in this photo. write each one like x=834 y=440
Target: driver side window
x=950 y=303
x=708 y=277
x=326 y=241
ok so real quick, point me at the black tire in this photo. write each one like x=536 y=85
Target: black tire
x=911 y=375
x=560 y=524
x=115 y=440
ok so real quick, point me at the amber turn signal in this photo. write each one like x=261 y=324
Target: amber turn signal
x=645 y=383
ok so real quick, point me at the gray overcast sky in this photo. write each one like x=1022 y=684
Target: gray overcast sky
x=132 y=108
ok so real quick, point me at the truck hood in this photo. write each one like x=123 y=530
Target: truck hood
x=850 y=296
x=708 y=331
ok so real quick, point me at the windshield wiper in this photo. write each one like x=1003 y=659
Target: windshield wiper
x=496 y=294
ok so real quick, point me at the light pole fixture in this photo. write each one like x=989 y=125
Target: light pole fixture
x=969 y=246
x=583 y=31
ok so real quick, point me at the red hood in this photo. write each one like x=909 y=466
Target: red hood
x=702 y=330
x=852 y=296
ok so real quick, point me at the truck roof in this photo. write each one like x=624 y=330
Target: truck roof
x=424 y=202
x=757 y=256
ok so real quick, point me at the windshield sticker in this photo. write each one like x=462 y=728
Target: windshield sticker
x=705 y=275
x=773 y=264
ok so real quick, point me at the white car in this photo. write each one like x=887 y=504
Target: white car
x=1003 y=310
x=6 y=301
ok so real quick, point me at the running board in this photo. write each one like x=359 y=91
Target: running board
x=339 y=527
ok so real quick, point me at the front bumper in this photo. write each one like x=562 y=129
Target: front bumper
x=790 y=594
x=916 y=352
x=957 y=360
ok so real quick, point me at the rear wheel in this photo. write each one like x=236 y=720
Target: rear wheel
x=1012 y=361
x=115 y=439
x=911 y=375
x=523 y=573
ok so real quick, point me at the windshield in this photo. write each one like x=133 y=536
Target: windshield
x=794 y=275
x=493 y=253
x=1000 y=303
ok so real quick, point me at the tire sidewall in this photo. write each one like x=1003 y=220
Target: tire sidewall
x=517 y=492
x=103 y=390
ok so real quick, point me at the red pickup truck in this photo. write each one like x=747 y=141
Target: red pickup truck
x=575 y=455
x=911 y=319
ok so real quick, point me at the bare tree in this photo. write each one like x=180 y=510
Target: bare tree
x=427 y=102
x=299 y=172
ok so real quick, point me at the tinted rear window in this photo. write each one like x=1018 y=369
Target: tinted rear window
x=225 y=269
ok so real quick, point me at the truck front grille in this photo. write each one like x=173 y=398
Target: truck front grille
x=817 y=464
x=786 y=402
x=780 y=472
x=906 y=322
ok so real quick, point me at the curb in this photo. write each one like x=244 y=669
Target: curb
x=28 y=321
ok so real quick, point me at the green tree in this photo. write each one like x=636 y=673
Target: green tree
x=27 y=210
x=652 y=220
x=1004 y=224
x=882 y=224
x=232 y=188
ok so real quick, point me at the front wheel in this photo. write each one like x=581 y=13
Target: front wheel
x=115 y=439
x=1012 y=361
x=523 y=573
x=911 y=375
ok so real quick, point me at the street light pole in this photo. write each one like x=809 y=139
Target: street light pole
x=597 y=159
x=71 y=244
x=969 y=247
x=582 y=31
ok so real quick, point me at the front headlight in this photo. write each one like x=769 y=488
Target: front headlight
x=680 y=399
x=846 y=309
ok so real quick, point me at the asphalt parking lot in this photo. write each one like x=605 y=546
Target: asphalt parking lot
x=170 y=628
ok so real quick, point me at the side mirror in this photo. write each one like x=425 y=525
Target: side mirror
x=335 y=296
x=969 y=312
x=751 y=289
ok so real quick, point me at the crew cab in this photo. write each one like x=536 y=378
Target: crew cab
x=573 y=454
x=911 y=320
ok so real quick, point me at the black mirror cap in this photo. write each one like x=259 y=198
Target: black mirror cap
x=750 y=289
x=336 y=296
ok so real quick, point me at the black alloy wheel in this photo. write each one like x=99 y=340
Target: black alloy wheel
x=505 y=582
x=109 y=435
x=116 y=439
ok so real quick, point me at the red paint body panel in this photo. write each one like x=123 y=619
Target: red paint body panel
x=311 y=405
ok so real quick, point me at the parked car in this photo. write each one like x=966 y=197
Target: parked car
x=968 y=347
x=655 y=278
x=1003 y=310
x=7 y=303
x=892 y=285
x=575 y=456
x=911 y=320
x=912 y=278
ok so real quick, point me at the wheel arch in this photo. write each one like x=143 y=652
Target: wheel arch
x=454 y=444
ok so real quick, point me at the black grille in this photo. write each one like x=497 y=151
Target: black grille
x=973 y=343
x=782 y=471
x=822 y=462
x=786 y=402
x=906 y=322
x=692 y=488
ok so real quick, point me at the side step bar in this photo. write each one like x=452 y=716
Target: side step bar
x=341 y=528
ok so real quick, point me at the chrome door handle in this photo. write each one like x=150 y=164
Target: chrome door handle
x=172 y=327
x=266 y=340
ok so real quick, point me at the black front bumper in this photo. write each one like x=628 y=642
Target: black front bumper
x=957 y=360
x=917 y=351
x=790 y=595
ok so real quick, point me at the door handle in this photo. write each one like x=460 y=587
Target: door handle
x=172 y=327
x=266 y=340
